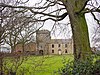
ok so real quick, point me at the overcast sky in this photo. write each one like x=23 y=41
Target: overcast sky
x=66 y=33
x=48 y=25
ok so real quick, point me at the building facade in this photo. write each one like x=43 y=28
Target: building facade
x=61 y=46
x=29 y=47
x=45 y=45
x=43 y=39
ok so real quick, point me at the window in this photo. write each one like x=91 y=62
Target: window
x=41 y=46
x=59 y=49
x=52 y=45
x=65 y=50
x=65 y=45
x=52 y=51
x=58 y=45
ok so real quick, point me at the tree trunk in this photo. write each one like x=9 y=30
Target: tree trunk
x=80 y=37
x=79 y=30
x=1 y=63
x=23 y=47
x=12 y=49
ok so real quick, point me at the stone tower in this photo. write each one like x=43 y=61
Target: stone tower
x=43 y=39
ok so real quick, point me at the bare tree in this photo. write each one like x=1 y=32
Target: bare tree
x=17 y=23
x=11 y=24
x=75 y=9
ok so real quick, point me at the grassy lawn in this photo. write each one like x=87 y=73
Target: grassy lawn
x=42 y=65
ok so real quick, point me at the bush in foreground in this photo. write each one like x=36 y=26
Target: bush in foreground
x=89 y=67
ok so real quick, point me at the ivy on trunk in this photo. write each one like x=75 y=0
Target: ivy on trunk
x=79 y=29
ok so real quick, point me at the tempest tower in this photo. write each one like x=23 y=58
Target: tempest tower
x=43 y=39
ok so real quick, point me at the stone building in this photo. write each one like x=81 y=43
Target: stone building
x=29 y=47
x=61 y=46
x=45 y=45
x=43 y=39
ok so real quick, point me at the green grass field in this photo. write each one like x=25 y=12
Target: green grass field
x=42 y=65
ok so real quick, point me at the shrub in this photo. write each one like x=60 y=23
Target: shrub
x=91 y=66
x=97 y=52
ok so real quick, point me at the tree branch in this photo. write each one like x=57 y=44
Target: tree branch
x=35 y=12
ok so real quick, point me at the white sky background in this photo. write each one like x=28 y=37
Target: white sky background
x=48 y=25
x=93 y=28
